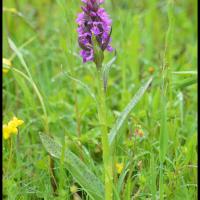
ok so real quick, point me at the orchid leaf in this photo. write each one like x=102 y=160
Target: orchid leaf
x=123 y=116
x=81 y=173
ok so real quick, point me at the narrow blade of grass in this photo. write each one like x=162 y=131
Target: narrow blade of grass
x=163 y=131
x=153 y=177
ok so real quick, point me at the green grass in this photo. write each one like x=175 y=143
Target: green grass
x=54 y=93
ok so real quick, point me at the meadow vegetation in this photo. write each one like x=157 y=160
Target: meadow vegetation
x=56 y=153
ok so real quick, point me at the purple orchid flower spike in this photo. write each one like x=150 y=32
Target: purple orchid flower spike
x=93 y=21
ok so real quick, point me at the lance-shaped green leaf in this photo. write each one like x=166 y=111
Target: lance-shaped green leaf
x=82 y=174
x=123 y=116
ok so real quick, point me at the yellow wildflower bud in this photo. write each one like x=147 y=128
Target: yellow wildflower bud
x=73 y=189
x=119 y=167
x=6 y=132
x=6 y=65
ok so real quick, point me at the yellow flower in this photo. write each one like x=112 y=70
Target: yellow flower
x=6 y=65
x=119 y=167
x=73 y=189
x=16 y=122
x=11 y=127
x=6 y=132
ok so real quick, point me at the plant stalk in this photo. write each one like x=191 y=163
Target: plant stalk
x=161 y=183
x=107 y=157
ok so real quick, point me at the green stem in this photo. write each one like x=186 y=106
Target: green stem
x=161 y=191
x=107 y=158
x=10 y=154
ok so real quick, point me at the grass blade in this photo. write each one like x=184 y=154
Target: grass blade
x=20 y=56
x=153 y=176
x=185 y=83
x=185 y=72
x=163 y=131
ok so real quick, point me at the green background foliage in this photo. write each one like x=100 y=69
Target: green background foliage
x=39 y=36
